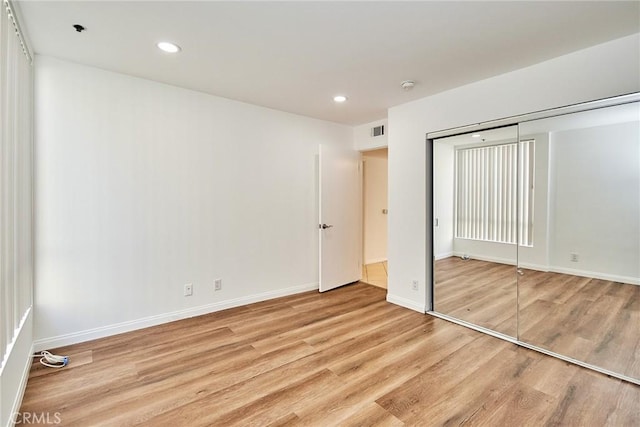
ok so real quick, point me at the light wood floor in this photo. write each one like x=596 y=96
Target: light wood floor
x=595 y=321
x=345 y=357
x=375 y=274
x=483 y=293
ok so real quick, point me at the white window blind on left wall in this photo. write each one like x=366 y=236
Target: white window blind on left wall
x=16 y=184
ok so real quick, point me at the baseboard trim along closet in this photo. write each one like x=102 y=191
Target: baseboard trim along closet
x=406 y=303
x=145 y=322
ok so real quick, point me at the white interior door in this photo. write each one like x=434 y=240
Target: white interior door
x=340 y=217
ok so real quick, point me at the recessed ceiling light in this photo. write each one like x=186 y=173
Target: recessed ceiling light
x=475 y=135
x=339 y=98
x=168 y=47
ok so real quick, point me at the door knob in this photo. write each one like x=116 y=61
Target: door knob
x=325 y=226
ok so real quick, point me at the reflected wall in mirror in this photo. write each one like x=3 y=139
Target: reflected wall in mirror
x=476 y=228
x=579 y=294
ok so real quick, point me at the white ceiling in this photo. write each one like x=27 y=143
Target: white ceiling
x=295 y=56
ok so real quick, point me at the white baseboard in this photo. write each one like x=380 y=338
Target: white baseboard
x=487 y=258
x=537 y=267
x=443 y=256
x=406 y=303
x=595 y=275
x=374 y=261
x=132 y=325
x=547 y=268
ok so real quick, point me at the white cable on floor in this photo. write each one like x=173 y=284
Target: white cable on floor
x=52 y=360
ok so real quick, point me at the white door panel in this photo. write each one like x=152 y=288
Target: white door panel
x=340 y=217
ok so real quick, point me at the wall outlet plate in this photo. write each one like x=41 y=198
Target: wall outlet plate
x=414 y=285
x=188 y=290
x=217 y=284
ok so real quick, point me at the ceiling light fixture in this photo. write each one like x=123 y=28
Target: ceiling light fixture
x=475 y=135
x=339 y=98
x=168 y=47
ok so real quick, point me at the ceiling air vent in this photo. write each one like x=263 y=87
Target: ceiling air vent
x=377 y=131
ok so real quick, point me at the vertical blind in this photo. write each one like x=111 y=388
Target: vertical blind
x=494 y=193
x=16 y=198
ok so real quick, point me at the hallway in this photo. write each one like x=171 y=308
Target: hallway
x=375 y=274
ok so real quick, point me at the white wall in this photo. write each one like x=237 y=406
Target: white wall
x=596 y=201
x=363 y=140
x=143 y=187
x=375 y=179
x=601 y=71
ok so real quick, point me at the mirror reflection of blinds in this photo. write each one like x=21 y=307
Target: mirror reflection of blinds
x=491 y=182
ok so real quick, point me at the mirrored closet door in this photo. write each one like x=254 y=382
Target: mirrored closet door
x=536 y=233
x=579 y=293
x=475 y=228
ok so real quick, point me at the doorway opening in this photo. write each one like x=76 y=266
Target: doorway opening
x=374 y=217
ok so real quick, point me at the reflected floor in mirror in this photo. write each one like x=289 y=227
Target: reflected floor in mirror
x=478 y=292
x=591 y=320
x=596 y=321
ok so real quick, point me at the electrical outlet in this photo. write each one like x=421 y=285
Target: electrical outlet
x=414 y=285
x=188 y=290
x=575 y=257
x=217 y=284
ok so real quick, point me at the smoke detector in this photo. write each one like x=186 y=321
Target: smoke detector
x=407 y=84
